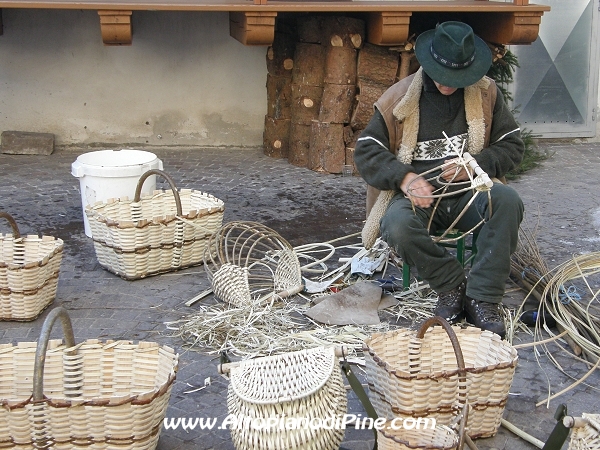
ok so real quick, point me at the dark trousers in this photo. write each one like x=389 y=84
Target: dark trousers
x=405 y=230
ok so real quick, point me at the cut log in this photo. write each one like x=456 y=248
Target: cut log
x=351 y=136
x=279 y=97
x=327 y=152
x=377 y=64
x=299 y=144
x=340 y=65
x=368 y=94
x=342 y=31
x=348 y=135
x=280 y=55
x=309 y=29
x=306 y=102
x=309 y=64
x=337 y=103
x=276 y=137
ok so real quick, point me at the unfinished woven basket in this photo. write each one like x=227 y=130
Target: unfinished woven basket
x=301 y=385
x=247 y=261
x=29 y=270
x=415 y=374
x=155 y=234
x=93 y=395
x=586 y=437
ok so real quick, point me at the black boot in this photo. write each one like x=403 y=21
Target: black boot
x=450 y=304
x=485 y=315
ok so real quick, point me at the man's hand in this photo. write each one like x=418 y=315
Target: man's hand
x=420 y=186
x=454 y=172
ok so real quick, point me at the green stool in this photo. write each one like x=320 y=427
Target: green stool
x=462 y=250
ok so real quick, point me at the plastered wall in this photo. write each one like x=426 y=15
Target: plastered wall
x=183 y=81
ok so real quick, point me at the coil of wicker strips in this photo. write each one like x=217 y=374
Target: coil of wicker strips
x=100 y=395
x=410 y=376
x=29 y=270
x=297 y=388
x=154 y=234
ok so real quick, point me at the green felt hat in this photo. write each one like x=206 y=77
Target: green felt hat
x=452 y=55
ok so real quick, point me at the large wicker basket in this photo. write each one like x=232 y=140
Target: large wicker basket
x=415 y=374
x=154 y=234
x=29 y=269
x=93 y=395
x=299 y=386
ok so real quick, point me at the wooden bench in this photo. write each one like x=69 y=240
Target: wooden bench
x=252 y=22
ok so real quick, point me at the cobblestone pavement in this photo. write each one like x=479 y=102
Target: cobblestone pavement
x=561 y=197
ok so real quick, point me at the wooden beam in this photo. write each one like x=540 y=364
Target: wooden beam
x=252 y=28
x=115 y=27
x=388 y=28
x=510 y=28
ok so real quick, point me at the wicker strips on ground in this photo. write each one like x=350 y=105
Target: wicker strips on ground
x=423 y=380
x=146 y=236
x=299 y=386
x=98 y=395
x=29 y=270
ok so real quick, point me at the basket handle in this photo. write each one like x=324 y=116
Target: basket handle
x=12 y=223
x=462 y=373
x=138 y=189
x=40 y=352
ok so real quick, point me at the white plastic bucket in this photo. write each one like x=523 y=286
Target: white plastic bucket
x=108 y=174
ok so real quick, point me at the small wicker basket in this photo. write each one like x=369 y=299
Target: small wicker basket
x=415 y=374
x=152 y=235
x=305 y=385
x=587 y=436
x=29 y=269
x=92 y=395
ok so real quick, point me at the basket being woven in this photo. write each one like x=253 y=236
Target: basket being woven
x=278 y=402
x=29 y=269
x=413 y=376
x=155 y=234
x=247 y=261
x=93 y=395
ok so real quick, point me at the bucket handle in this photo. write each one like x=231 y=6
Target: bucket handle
x=12 y=223
x=42 y=346
x=462 y=388
x=138 y=189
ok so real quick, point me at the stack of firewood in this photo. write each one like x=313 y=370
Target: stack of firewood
x=322 y=82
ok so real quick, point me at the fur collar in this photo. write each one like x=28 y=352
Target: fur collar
x=407 y=111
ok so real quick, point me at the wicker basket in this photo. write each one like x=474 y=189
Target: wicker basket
x=247 y=261
x=29 y=268
x=92 y=395
x=422 y=380
x=586 y=437
x=152 y=235
x=441 y=437
x=302 y=385
x=423 y=435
